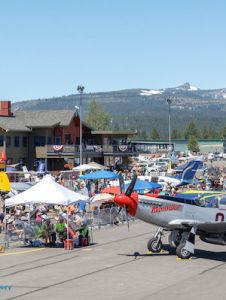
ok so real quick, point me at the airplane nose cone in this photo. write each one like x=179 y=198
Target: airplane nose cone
x=130 y=202
x=120 y=200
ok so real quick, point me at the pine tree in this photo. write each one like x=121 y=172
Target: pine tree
x=223 y=132
x=176 y=134
x=205 y=133
x=193 y=144
x=144 y=134
x=191 y=129
x=155 y=134
x=97 y=117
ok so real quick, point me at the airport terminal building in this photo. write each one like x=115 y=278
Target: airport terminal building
x=53 y=136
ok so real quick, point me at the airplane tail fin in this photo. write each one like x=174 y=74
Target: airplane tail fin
x=26 y=173
x=24 y=168
x=189 y=172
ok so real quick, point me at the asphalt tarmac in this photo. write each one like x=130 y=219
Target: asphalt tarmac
x=109 y=270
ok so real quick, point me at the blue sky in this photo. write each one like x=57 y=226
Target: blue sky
x=48 y=47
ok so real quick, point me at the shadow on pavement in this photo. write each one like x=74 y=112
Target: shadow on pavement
x=168 y=251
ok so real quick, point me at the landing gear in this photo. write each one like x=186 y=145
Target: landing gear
x=174 y=238
x=182 y=240
x=178 y=239
x=182 y=252
x=155 y=244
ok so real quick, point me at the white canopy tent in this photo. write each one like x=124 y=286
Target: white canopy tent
x=46 y=191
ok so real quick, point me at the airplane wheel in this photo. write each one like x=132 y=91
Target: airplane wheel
x=182 y=252
x=154 y=245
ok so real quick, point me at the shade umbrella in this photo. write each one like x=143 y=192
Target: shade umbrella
x=112 y=190
x=84 y=167
x=144 y=185
x=100 y=198
x=102 y=174
x=98 y=166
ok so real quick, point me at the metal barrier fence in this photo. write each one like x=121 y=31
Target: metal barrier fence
x=23 y=232
x=108 y=216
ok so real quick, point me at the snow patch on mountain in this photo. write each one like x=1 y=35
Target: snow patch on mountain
x=187 y=87
x=220 y=94
x=150 y=92
x=193 y=88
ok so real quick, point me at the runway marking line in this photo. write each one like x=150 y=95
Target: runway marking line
x=21 y=252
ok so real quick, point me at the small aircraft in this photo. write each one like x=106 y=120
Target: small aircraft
x=184 y=218
x=186 y=176
x=191 y=156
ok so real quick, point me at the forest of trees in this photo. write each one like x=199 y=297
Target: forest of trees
x=200 y=113
x=98 y=118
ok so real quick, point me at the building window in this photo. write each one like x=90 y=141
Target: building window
x=24 y=141
x=58 y=140
x=8 y=141
x=68 y=139
x=49 y=140
x=90 y=142
x=16 y=141
x=39 y=141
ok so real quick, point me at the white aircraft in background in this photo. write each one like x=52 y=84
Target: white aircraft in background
x=186 y=176
x=191 y=157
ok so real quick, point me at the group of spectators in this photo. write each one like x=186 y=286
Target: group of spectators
x=47 y=223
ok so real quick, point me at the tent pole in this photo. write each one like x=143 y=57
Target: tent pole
x=6 y=231
x=91 y=222
x=67 y=224
x=29 y=215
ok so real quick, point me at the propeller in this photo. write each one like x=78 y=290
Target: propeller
x=131 y=186
x=121 y=184
x=127 y=193
x=122 y=187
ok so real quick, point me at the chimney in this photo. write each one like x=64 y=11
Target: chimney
x=5 y=109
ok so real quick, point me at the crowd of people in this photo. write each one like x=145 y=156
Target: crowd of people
x=46 y=223
x=50 y=224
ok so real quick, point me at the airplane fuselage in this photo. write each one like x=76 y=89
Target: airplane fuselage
x=167 y=214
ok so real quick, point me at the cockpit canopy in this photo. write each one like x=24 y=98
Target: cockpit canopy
x=211 y=200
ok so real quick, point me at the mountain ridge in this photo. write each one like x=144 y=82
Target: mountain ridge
x=147 y=108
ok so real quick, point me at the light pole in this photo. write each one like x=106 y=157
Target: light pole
x=80 y=89
x=169 y=101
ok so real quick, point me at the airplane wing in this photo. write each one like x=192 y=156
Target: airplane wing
x=183 y=223
x=209 y=227
x=213 y=227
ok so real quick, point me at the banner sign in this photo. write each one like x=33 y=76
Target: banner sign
x=58 y=148
x=123 y=148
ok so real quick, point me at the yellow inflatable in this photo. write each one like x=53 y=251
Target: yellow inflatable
x=4 y=182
